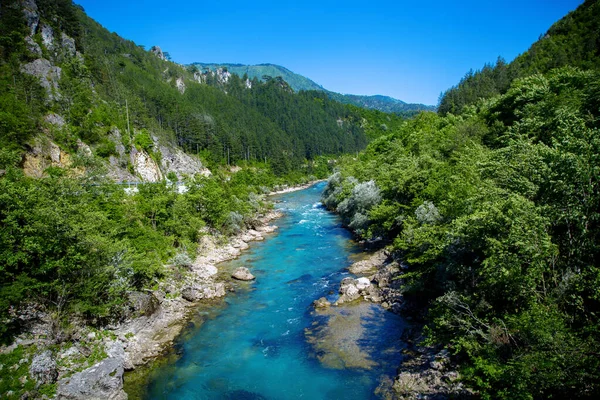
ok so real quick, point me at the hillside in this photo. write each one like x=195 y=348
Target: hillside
x=82 y=109
x=299 y=83
x=491 y=212
x=572 y=41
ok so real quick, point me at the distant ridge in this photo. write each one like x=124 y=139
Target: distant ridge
x=299 y=82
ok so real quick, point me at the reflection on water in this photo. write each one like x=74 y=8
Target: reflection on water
x=267 y=342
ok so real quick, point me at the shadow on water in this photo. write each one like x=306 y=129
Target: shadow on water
x=266 y=341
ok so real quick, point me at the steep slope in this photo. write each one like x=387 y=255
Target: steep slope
x=299 y=82
x=574 y=40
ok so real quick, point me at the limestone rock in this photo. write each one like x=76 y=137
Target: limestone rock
x=33 y=47
x=68 y=45
x=143 y=303
x=369 y=265
x=103 y=380
x=47 y=37
x=321 y=303
x=145 y=166
x=157 y=52
x=362 y=283
x=43 y=368
x=55 y=119
x=31 y=14
x=243 y=274
x=180 y=85
x=83 y=148
x=206 y=291
x=48 y=75
x=177 y=161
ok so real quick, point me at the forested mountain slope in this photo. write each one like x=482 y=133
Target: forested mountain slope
x=80 y=108
x=494 y=216
x=572 y=41
x=298 y=83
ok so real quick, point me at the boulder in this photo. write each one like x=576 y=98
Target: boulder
x=43 y=368
x=207 y=291
x=348 y=290
x=243 y=274
x=143 y=303
x=321 y=303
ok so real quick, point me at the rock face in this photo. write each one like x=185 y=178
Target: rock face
x=157 y=52
x=180 y=85
x=47 y=37
x=176 y=161
x=33 y=47
x=31 y=14
x=48 y=75
x=145 y=167
x=43 y=368
x=104 y=380
x=243 y=274
x=43 y=155
x=68 y=45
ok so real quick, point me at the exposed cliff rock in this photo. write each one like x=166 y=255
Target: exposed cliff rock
x=68 y=45
x=144 y=166
x=180 y=85
x=48 y=75
x=157 y=52
x=31 y=14
x=177 y=161
x=44 y=154
x=47 y=34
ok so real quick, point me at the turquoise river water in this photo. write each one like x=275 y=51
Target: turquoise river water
x=267 y=342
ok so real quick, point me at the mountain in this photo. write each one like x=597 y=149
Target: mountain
x=572 y=41
x=299 y=83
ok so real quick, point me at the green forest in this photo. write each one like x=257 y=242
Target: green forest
x=77 y=242
x=492 y=205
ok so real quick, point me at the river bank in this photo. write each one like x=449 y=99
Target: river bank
x=87 y=363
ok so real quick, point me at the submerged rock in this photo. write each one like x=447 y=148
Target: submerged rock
x=243 y=274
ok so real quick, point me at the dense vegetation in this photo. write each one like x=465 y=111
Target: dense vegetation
x=264 y=72
x=493 y=207
x=495 y=213
x=572 y=41
x=76 y=243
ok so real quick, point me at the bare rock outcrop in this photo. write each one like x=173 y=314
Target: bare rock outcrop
x=103 y=380
x=157 y=52
x=48 y=75
x=243 y=274
x=144 y=166
x=177 y=161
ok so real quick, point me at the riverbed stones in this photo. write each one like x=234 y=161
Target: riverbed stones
x=243 y=274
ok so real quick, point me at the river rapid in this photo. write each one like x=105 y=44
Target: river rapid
x=266 y=341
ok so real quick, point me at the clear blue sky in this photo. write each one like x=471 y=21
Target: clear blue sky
x=410 y=50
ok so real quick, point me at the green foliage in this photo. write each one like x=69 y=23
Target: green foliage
x=572 y=41
x=495 y=213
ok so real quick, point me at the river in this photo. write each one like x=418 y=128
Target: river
x=267 y=342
